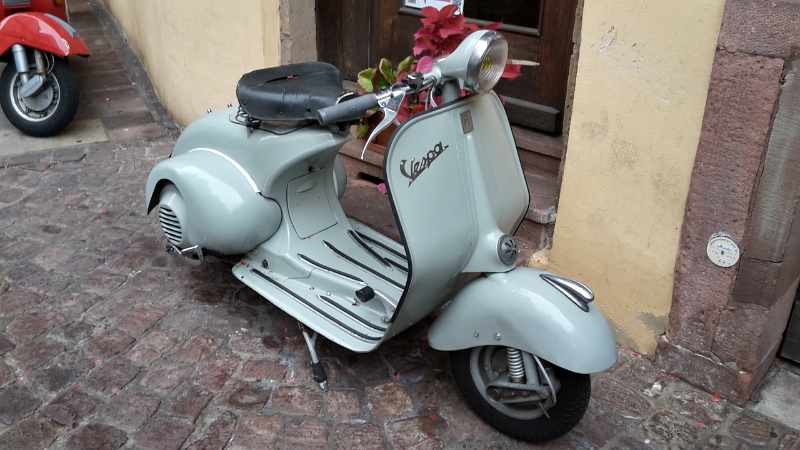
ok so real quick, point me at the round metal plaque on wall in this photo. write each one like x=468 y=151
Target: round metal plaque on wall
x=722 y=251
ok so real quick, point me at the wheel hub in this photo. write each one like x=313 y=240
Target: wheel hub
x=512 y=395
x=39 y=102
x=521 y=401
x=39 y=107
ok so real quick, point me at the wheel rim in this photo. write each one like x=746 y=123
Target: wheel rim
x=37 y=108
x=488 y=363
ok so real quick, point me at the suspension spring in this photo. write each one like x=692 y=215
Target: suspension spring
x=515 y=368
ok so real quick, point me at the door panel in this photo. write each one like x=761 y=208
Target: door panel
x=356 y=34
x=524 y=15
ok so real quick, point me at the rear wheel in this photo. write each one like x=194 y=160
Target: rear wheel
x=47 y=112
x=475 y=368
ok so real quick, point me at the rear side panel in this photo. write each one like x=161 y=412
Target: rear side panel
x=233 y=179
x=263 y=154
x=218 y=208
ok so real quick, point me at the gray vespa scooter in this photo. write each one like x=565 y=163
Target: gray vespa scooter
x=263 y=181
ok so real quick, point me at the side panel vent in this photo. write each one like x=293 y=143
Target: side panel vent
x=170 y=224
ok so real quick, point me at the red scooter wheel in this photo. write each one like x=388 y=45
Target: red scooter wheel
x=47 y=112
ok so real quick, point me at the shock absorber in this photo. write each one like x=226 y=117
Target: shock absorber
x=515 y=368
x=21 y=62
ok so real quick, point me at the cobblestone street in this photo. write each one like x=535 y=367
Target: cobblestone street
x=107 y=342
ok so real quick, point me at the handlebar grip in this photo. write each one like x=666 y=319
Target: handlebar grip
x=347 y=110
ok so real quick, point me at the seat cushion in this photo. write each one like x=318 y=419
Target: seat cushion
x=291 y=93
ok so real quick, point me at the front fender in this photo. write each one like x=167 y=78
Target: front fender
x=43 y=32
x=518 y=309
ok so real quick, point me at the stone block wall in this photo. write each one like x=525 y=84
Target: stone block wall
x=726 y=324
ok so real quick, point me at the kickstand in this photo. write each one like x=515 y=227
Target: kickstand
x=316 y=366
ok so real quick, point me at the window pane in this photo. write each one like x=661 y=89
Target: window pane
x=510 y=12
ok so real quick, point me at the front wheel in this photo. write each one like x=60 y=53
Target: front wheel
x=476 y=368
x=47 y=112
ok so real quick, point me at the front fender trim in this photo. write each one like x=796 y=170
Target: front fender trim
x=520 y=309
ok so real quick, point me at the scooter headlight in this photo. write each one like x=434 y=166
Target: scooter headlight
x=487 y=62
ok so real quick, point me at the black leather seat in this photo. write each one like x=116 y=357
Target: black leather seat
x=290 y=93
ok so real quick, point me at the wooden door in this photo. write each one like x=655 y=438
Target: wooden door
x=356 y=34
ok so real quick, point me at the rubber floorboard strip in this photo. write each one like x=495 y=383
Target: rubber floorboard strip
x=369 y=249
x=314 y=307
x=364 y=266
x=383 y=246
x=351 y=313
x=331 y=269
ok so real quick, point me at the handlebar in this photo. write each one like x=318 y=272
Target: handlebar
x=350 y=110
x=347 y=110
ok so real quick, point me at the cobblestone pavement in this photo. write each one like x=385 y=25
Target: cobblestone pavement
x=107 y=342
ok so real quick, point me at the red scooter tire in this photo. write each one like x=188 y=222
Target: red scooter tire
x=47 y=113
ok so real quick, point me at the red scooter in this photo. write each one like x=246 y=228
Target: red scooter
x=38 y=91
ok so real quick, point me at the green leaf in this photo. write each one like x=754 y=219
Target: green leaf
x=362 y=129
x=383 y=83
x=377 y=80
x=385 y=66
x=405 y=65
x=365 y=80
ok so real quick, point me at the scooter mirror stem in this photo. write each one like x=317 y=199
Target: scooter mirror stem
x=450 y=91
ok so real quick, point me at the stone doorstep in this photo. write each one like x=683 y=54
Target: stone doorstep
x=538 y=142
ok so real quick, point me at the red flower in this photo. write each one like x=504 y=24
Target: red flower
x=512 y=72
x=442 y=32
x=425 y=64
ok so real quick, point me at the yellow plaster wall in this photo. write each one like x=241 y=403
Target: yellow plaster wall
x=196 y=50
x=642 y=80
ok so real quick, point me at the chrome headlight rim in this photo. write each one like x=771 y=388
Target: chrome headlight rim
x=480 y=51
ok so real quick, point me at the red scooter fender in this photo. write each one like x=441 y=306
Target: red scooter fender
x=43 y=32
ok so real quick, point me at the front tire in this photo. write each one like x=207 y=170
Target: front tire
x=522 y=421
x=47 y=113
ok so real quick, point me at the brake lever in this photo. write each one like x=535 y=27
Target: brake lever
x=390 y=104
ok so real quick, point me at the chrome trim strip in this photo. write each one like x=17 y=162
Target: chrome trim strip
x=234 y=163
x=579 y=294
x=578 y=288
